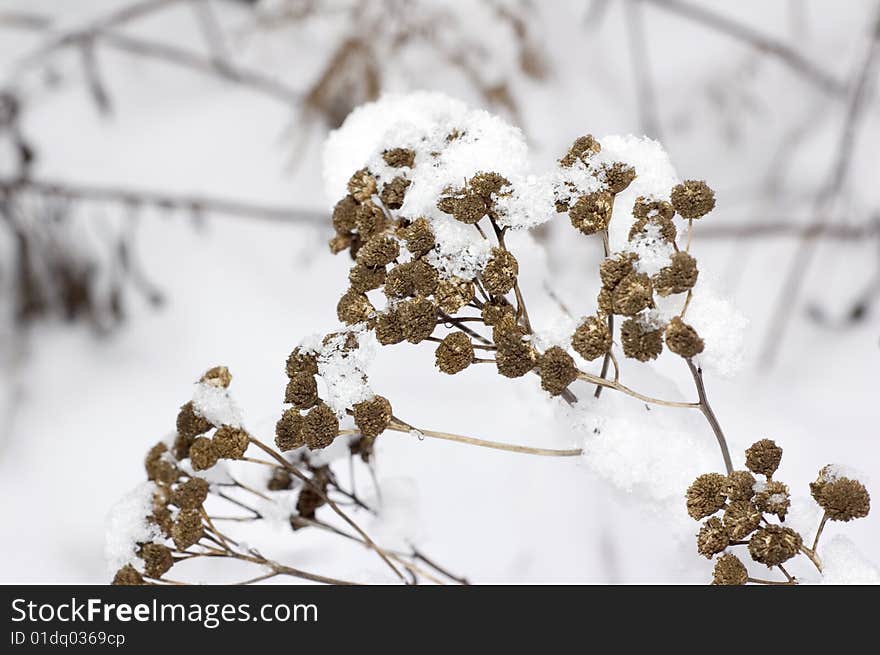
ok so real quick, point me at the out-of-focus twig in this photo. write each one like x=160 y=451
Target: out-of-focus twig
x=792 y=229
x=645 y=96
x=762 y=42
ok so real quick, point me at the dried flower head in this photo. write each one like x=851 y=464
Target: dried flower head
x=682 y=339
x=591 y=212
x=362 y=185
x=288 y=431
x=128 y=576
x=640 y=341
x=500 y=273
x=582 y=149
x=218 y=376
x=741 y=518
x=729 y=570
x=740 y=485
x=468 y=208
x=320 y=427
x=399 y=157
x=763 y=457
x=487 y=184
x=230 y=442
x=372 y=416
x=159 y=466
x=301 y=391
x=369 y=219
x=389 y=328
x=379 y=250
x=394 y=192
x=592 y=338
x=632 y=295
x=454 y=293
x=496 y=310
x=410 y=279
x=279 y=480
x=341 y=242
x=419 y=237
x=617 y=176
x=187 y=529
x=513 y=356
x=363 y=278
x=773 y=498
x=308 y=502
x=157 y=559
x=418 y=318
x=693 y=198
x=615 y=268
x=842 y=498
x=557 y=370
x=706 y=495
x=678 y=277
x=712 y=538
x=191 y=494
x=650 y=208
x=773 y=545
x=604 y=301
x=202 y=454
x=190 y=424
x=354 y=308
x=301 y=362
x=455 y=353
x=344 y=215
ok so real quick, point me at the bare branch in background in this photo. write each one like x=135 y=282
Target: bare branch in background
x=646 y=98
x=793 y=229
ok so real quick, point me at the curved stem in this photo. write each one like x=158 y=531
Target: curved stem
x=617 y=386
x=706 y=409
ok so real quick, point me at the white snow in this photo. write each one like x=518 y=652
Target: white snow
x=127 y=526
x=344 y=369
x=721 y=326
x=843 y=563
x=215 y=404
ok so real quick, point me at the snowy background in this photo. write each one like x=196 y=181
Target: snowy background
x=766 y=126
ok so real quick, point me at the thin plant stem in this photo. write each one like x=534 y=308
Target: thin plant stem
x=706 y=410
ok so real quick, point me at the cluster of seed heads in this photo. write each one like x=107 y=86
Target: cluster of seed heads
x=740 y=508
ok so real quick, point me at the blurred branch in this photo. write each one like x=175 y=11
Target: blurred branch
x=646 y=98
x=762 y=42
x=162 y=200
x=24 y=20
x=792 y=228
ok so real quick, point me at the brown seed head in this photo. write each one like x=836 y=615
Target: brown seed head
x=774 y=545
x=615 y=268
x=640 y=341
x=453 y=293
x=582 y=149
x=763 y=457
x=706 y=495
x=389 y=329
x=842 y=498
x=320 y=427
x=468 y=208
x=379 y=250
x=362 y=185
x=592 y=338
x=729 y=570
x=365 y=279
x=344 y=215
x=288 y=431
x=190 y=424
x=632 y=295
x=740 y=485
x=128 y=576
x=301 y=391
x=650 y=208
x=591 y=212
x=741 y=518
x=693 y=198
x=665 y=226
x=486 y=184
x=514 y=358
x=419 y=237
x=678 y=277
x=399 y=157
x=202 y=454
x=496 y=310
x=604 y=301
x=394 y=192
x=369 y=219
x=191 y=494
x=354 y=308
x=500 y=273
x=302 y=362
x=157 y=559
x=712 y=538
x=557 y=370
x=682 y=339
x=409 y=279
x=187 y=529
x=418 y=318
x=219 y=376
x=618 y=176
x=455 y=353
x=372 y=416
x=158 y=465
x=280 y=480
x=230 y=442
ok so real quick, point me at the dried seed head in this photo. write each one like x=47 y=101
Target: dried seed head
x=158 y=465
x=394 y=192
x=187 y=529
x=843 y=499
x=340 y=242
x=763 y=457
x=128 y=576
x=301 y=391
x=230 y=442
x=344 y=215
x=399 y=157
x=362 y=185
x=280 y=480
x=773 y=498
x=640 y=341
x=191 y=494
x=774 y=545
x=157 y=559
x=665 y=227
x=418 y=318
x=485 y=184
x=740 y=485
x=615 y=268
x=378 y=251
x=650 y=208
x=583 y=148
x=369 y=219
x=729 y=570
x=454 y=293
x=190 y=424
x=219 y=376
x=604 y=301
x=592 y=212
x=712 y=538
x=500 y=273
x=706 y=495
x=180 y=448
x=288 y=431
x=161 y=517
x=320 y=427
x=678 y=277
x=389 y=329
x=363 y=278
x=632 y=295
x=419 y=237
x=693 y=198
x=557 y=370
x=468 y=208
x=514 y=357
x=592 y=338
x=496 y=310
x=455 y=353
x=202 y=454
x=409 y=279
x=741 y=518
x=682 y=339
x=309 y=501
x=372 y=416
x=301 y=362
x=354 y=308
x=618 y=176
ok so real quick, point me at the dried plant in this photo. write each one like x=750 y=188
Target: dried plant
x=425 y=215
